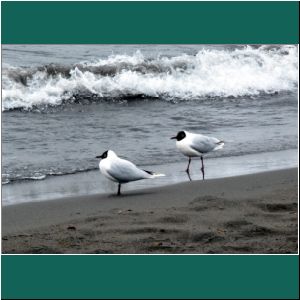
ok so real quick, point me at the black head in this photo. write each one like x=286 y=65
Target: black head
x=104 y=155
x=180 y=136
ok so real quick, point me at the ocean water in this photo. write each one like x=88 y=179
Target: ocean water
x=64 y=104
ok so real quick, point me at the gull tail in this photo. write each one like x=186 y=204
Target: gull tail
x=220 y=145
x=153 y=174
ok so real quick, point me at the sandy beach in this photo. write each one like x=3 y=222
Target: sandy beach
x=255 y=213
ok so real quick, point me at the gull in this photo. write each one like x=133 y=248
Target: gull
x=121 y=170
x=195 y=145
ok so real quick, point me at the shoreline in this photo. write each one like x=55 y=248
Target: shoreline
x=255 y=213
x=92 y=182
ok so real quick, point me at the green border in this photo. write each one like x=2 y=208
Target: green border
x=157 y=276
x=150 y=22
x=92 y=276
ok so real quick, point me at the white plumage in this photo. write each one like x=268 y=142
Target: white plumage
x=195 y=145
x=121 y=170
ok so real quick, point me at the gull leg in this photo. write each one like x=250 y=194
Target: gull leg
x=188 y=166
x=189 y=176
x=119 y=189
x=202 y=168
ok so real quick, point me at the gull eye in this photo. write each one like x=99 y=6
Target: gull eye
x=104 y=155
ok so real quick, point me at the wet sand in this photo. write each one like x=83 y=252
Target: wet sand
x=255 y=213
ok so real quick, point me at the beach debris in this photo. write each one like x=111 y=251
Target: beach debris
x=221 y=231
x=158 y=244
x=71 y=227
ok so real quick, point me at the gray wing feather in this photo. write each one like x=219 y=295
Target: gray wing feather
x=204 y=144
x=125 y=171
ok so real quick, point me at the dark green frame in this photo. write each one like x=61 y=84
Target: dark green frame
x=150 y=276
x=194 y=276
x=150 y=22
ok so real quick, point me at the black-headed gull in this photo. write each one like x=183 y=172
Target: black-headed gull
x=195 y=145
x=121 y=170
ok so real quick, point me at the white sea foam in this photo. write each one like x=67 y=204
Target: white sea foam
x=249 y=71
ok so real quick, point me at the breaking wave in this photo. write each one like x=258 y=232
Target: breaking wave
x=249 y=71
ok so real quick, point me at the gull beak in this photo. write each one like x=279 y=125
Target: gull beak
x=99 y=156
x=173 y=137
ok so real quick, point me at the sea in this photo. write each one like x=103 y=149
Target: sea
x=62 y=105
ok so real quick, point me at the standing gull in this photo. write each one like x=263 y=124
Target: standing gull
x=195 y=145
x=121 y=170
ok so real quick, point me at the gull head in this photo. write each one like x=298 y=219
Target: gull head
x=108 y=153
x=180 y=136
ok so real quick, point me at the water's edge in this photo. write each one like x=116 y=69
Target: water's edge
x=94 y=183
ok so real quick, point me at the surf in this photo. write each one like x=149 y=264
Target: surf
x=211 y=73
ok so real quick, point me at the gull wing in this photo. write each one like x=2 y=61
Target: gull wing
x=204 y=144
x=124 y=171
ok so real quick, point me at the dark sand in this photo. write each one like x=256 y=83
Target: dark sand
x=246 y=214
